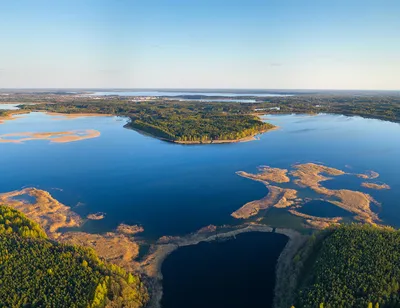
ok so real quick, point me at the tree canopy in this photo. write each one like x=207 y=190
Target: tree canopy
x=355 y=266
x=35 y=271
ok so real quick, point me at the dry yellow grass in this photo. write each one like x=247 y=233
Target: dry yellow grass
x=310 y=175
x=52 y=215
x=129 y=230
x=96 y=216
x=114 y=247
x=267 y=174
x=375 y=186
x=46 y=211
x=277 y=196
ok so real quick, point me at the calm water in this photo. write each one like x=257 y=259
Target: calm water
x=175 y=189
x=323 y=209
x=235 y=273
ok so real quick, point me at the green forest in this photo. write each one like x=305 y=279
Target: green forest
x=37 y=272
x=354 y=266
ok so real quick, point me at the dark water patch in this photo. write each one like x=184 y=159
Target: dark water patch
x=233 y=273
x=281 y=218
x=346 y=181
x=25 y=197
x=321 y=208
x=143 y=250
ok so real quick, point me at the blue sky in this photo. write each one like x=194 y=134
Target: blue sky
x=282 y=44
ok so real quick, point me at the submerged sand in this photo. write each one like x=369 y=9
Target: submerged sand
x=57 y=137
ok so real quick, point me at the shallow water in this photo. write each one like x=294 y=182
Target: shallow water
x=235 y=273
x=175 y=189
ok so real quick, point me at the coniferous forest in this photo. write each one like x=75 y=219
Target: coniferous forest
x=355 y=266
x=37 y=272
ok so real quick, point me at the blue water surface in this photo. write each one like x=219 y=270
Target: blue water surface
x=174 y=189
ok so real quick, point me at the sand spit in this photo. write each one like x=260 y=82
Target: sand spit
x=310 y=175
x=71 y=116
x=58 y=137
x=375 y=186
x=151 y=265
x=277 y=197
x=46 y=211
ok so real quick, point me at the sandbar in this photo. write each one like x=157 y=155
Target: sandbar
x=57 y=137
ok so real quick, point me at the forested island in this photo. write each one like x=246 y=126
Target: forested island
x=38 y=272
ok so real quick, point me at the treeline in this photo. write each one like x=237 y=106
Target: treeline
x=37 y=272
x=354 y=266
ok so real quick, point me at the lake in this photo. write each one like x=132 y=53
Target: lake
x=234 y=273
x=173 y=189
